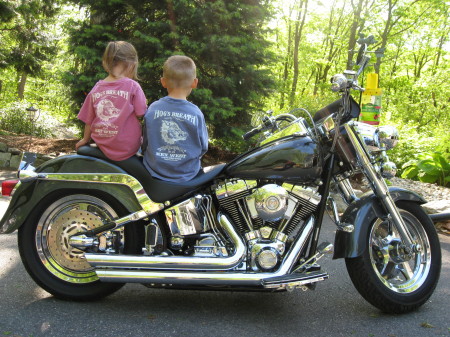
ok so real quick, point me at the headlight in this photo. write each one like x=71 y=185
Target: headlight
x=387 y=136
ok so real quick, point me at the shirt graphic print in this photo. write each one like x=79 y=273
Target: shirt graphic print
x=112 y=110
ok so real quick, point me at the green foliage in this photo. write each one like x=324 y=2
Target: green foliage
x=14 y=118
x=430 y=167
x=226 y=39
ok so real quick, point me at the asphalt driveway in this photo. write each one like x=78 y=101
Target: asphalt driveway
x=333 y=309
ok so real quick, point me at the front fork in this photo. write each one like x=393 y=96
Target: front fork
x=379 y=187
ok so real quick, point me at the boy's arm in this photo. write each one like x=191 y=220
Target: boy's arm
x=86 y=137
x=204 y=137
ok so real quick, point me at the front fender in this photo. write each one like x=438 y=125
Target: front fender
x=31 y=191
x=361 y=214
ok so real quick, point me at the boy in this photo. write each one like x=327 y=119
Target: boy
x=175 y=129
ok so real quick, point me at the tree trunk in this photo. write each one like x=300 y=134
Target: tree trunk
x=353 y=38
x=286 y=62
x=298 y=35
x=21 y=85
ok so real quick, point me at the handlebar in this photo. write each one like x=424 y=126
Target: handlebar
x=251 y=133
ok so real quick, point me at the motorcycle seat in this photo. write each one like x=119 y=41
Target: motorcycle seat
x=158 y=190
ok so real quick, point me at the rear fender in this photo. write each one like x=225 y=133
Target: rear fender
x=360 y=214
x=31 y=191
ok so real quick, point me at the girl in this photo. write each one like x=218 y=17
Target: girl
x=112 y=108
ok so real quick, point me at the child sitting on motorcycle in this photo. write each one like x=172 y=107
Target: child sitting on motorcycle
x=176 y=136
x=112 y=108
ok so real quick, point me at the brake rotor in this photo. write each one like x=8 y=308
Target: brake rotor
x=59 y=232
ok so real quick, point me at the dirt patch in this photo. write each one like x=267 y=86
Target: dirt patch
x=62 y=146
x=39 y=145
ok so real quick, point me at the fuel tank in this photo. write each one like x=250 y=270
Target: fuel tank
x=294 y=159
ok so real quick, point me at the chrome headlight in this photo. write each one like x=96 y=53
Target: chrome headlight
x=387 y=136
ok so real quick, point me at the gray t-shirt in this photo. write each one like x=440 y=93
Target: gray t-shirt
x=176 y=138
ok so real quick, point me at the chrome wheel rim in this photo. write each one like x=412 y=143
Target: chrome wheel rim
x=66 y=217
x=401 y=269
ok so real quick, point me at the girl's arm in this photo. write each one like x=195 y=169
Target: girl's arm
x=86 y=137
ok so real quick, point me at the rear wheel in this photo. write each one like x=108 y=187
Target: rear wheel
x=392 y=276
x=47 y=255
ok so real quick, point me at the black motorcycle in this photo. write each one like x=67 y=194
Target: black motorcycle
x=87 y=225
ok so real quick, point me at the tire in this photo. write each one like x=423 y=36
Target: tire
x=388 y=277
x=47 y=256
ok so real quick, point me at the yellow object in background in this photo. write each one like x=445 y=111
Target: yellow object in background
x=371 y=101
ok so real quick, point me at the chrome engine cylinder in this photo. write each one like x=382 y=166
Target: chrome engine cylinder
x=269 y=202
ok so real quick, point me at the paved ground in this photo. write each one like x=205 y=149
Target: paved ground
x=333 y=309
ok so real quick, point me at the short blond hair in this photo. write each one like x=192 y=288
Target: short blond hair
x=179 y=71
x=120 y=52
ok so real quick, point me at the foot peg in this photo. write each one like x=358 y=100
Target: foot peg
x=323 y=248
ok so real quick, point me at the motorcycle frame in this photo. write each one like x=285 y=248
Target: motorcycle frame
x=125 y=189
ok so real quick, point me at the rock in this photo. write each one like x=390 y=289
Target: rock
x=3 y=147
x=437 y=206
x=13 y=151
x=4 y=159
x=15 y=161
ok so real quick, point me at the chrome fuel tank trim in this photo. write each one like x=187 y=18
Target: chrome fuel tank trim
x=210 y=277
x=176 y=262
x=147 y=204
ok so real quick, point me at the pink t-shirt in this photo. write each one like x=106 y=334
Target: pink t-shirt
x=111 y=109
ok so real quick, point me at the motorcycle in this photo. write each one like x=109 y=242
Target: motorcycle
x=88 y=225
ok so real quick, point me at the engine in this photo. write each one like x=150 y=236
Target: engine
x=266 y=216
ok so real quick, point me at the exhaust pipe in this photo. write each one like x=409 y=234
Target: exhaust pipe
x=220 y=278
x=175 y=262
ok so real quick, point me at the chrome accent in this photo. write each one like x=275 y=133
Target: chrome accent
x=207 y=246
x=346 y=190
x=327 y=125
x=266 y=232
x=266 y=254
x=269 y=201
x=323 y=248
x=82 y=241
x=61 y=220
x=388 y=136
x=307 y=193
x=146 y=203
x=187 y=217
x=25 y=174
x=253 y=235
x=296 y=281
x=345 y=227
x=388 y=169
x=176 y=262
x=379 y=185
x=231 y=187
x=213 y=278
x=401 y=268
x=176 y=242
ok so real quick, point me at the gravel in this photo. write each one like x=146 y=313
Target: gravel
x=430 y=192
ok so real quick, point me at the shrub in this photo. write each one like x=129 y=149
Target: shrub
x=14 y=118
x=428 y=168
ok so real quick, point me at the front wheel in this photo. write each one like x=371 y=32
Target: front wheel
x=47 y=255
x=391 y=276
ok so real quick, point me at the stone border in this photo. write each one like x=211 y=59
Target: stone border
x=10 y=157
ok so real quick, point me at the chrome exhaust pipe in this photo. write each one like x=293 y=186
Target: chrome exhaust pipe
x=210 y=277
x=175 y=262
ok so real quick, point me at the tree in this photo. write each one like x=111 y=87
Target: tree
x=226 y=39
x=29 y=44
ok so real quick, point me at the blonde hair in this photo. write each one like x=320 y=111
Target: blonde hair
x=120 y=52
x=179 y=71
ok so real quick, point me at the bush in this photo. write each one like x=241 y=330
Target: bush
x=428 y=168
x=14 y=118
